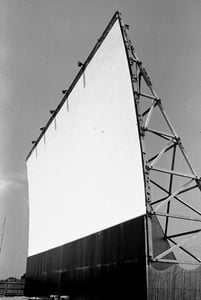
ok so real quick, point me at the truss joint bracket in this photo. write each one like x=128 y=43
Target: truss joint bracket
x=150 y=259
x=134 y=79
x=132 y=60
x=150 y=212
x=158 y=100
x=139 y=62
x=178 y=139
x=148 y=167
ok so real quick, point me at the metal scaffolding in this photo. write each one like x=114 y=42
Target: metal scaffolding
x=172 y=181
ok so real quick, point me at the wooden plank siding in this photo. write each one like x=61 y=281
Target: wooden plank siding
x=174 y=283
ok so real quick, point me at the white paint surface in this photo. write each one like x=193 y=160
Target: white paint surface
x=87 y=175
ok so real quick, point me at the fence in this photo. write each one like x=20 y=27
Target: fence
x=12 y=287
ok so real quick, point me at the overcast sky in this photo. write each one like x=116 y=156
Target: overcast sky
x=40 y=42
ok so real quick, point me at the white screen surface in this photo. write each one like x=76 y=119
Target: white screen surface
x=86 y=174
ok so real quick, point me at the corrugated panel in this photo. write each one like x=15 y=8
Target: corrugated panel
x=110 y=263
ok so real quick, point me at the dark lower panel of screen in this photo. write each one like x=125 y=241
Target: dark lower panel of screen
x=109 y=264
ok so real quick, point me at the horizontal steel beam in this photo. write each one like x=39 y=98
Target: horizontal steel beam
x=160 y=133
x=172 y=261
x=158 y=213
x=173 y=172
x=147 y=96
x=183 y=233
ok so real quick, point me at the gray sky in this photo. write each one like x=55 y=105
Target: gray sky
x=40 y=42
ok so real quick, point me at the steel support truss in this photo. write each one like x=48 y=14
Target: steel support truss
x=143 y=91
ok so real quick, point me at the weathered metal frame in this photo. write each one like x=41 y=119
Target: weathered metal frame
x=138 y=73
